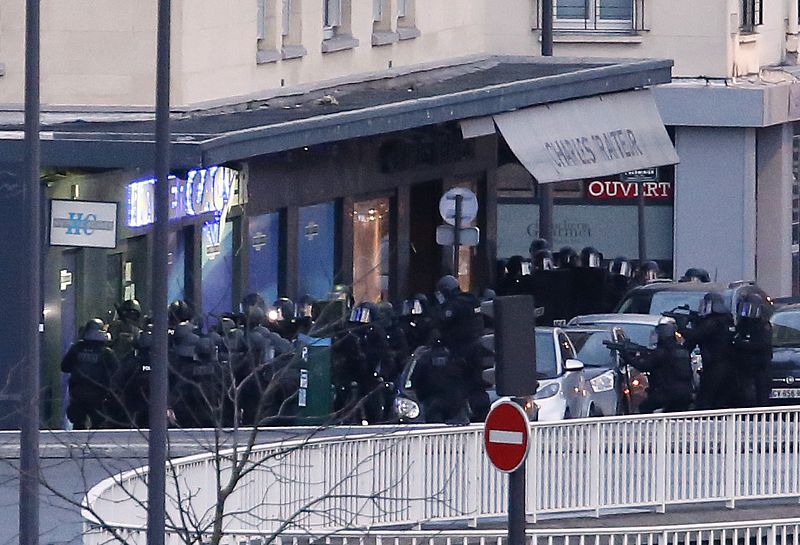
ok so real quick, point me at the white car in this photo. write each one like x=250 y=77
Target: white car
x=562 y=391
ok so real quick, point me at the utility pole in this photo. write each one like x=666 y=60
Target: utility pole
x=29 y=372
x=159 y=377
x=546 y=190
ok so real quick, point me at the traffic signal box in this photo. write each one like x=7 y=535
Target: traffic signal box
x=513 y=343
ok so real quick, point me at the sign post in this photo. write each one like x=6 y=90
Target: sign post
x=639 y=177
x=506 y=439
x=458 y=207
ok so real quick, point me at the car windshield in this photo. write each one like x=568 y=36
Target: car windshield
x=591 y=350
x=665 y=301
x=786 y=329
x=546 y=363
x=637 y=302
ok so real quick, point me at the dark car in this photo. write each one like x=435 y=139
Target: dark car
x=786 y=355
x=666 y=296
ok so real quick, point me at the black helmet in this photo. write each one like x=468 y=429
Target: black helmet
x=666 y=330
x=95 y=330
x=537 y=245
x=591 y=258
x=514 y=266
x=130 y=308
x=179 y=311
x=414 y=306
x=252 y=300
x=620 y=266
x=567 y=258
x=341 y=292
x=713 y=303
x=648 y=271
x=365 y=313
x=447 y=287
x=543 y=260
x=305 y=306
x=255 y=316
x=695 y=274
x=751 y=306
x=282 y=309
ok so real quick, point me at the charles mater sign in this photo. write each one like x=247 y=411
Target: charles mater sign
x=615 y=189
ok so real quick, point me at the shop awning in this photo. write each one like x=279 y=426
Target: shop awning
x=588 y=137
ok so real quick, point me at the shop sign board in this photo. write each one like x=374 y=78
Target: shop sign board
x=84 y=224
x=615 y=189
x=469 y=206
x=206 y=190
x=468 y=236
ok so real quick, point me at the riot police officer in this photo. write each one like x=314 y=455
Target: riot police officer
x=184 y=395
x=670 y=368
x=695 y=274
x=125 y=329
x=282 y=318
x=179 y=311
x=752 y=346
x=461 y=327
x=712 y=331
x=567 y=258
x=416 y=322
x=619 y=281
x=542 y=260
x=132 y=383
x=513 y=281
x=91 y=365
x=647 y=272
x=591 y=258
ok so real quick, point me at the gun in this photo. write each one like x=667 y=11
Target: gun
x=626 y=346
x=683 y=315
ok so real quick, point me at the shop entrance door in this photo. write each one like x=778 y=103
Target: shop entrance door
x=426 y=255
x=69 y=317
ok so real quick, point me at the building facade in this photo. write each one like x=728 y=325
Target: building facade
x=313 y=140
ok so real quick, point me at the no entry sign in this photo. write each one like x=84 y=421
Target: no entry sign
x=506 y=436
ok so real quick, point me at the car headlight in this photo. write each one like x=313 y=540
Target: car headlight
x=603 y=383
x=406 y=408
x=547 y=391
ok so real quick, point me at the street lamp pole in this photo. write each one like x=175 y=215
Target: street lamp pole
x=159 y=377
x=32 y=194
x=546 y=190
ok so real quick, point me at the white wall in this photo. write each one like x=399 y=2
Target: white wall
x=715 y=200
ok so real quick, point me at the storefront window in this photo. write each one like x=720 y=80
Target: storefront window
x=217 y=269
x=264 y=247
x=177 y=266
x=371 y=229
x=316 y=243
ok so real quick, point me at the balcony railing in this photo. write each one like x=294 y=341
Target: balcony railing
x=605 y=16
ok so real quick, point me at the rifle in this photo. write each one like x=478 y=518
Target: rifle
x=626 y=346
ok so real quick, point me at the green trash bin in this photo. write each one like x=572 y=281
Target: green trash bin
x=314 y=398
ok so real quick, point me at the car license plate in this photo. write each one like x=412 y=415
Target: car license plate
x=784 y=393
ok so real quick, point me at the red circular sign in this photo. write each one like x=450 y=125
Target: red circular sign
x=506 y=436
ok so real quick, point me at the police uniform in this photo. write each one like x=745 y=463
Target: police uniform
x=91 y=365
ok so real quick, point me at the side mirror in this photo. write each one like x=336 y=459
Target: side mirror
x=573 y=365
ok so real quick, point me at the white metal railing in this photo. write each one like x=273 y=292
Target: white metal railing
x=755 y=532
x=411 y=476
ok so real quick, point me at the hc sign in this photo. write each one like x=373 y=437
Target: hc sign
x=83 y=223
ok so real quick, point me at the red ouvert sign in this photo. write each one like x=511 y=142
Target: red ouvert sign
x=506 y=436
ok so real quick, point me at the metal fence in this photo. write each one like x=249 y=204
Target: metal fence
x=408 y=477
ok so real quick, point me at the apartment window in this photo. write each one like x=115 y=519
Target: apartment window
x=752 y=15
x=382 y=33
x=608 y=15
x=292 y=29
x=336 y=26
x=267 y=32
x=406 y=21
x=331 y=17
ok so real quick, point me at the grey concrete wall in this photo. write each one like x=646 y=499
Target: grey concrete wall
x=715 y=191
x=774 y=217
